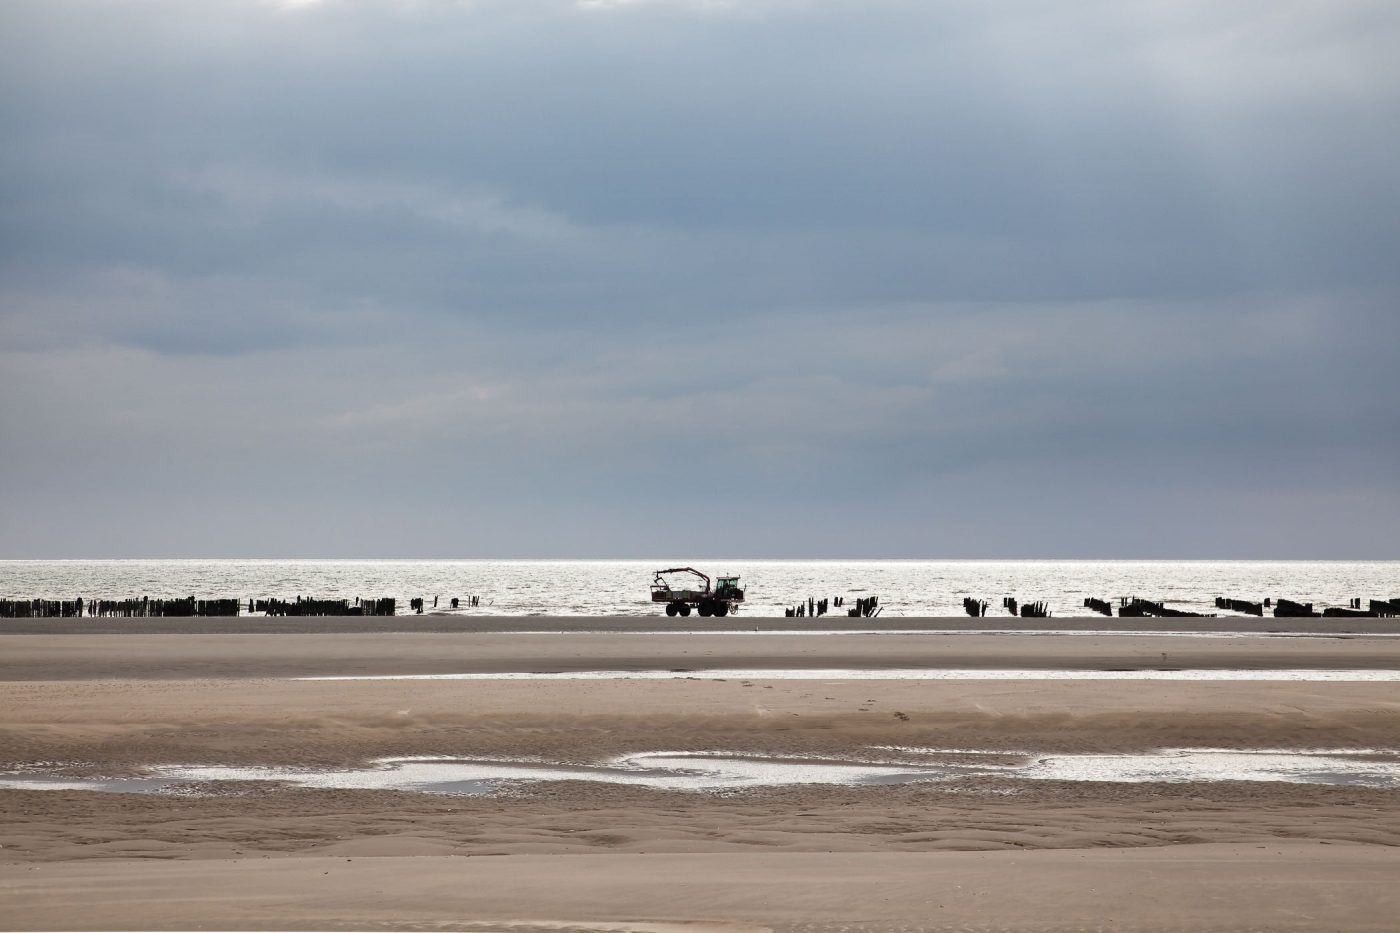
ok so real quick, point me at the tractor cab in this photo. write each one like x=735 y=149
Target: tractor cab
x=728 y=588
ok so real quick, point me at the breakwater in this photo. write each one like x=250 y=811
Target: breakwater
x=1135 y=607
x=145 y=607
x=322 y=607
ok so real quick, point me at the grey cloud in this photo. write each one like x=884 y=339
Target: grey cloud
x=924 y=272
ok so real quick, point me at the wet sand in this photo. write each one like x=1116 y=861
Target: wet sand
x=1280 y=886
x=1056 y=855
x=79 y=655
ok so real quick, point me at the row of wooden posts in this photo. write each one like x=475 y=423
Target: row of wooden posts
x=1135 y=607
x=1132 y=607
x=322 y=607
x=115 y=608
x=977 y=608
x=866 y=607
x=146 y=607
x=1374 y=609
x=812 y=608
x=417 y=603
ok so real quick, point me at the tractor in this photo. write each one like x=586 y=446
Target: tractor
x=720 y=601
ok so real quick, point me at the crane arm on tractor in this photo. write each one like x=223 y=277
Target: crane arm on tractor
x=658 y=582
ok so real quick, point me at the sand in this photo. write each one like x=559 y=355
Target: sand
x=77 y=655
x=984 y=853
x=1287 y=886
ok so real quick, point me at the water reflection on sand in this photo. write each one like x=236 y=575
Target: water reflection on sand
x=718 y=771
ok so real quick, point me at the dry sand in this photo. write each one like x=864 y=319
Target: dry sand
x=971 y=854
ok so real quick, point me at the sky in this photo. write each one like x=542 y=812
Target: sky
x=755 y=278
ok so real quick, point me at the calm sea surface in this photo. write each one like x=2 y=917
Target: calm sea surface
x=905 y=588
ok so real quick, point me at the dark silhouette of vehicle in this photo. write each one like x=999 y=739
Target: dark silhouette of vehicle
x=720 y=601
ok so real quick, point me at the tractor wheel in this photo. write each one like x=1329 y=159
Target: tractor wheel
x=721 y=609
x=705 y=609
x=685 y=609
x=672 y=608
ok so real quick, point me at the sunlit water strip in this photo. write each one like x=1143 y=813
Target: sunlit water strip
x=1342 y=676
x=614 y=587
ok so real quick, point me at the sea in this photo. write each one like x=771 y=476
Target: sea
x=622 y=587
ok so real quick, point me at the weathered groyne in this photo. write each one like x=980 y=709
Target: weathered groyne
x=1132 y=606
x=116 y=608
x=322 y=607
x=1239 y=605
x=146 y=607
x=811 y=608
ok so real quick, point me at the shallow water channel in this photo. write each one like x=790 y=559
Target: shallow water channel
x=698 y=771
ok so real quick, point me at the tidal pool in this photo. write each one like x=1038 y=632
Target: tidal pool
x=139 y=785
x=716 y=771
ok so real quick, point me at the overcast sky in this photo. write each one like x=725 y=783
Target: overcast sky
x=757 y=278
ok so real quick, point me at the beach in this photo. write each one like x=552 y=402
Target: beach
x=985 y=851
x=699 y=466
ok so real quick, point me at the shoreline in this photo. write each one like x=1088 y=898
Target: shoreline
x=445 y=623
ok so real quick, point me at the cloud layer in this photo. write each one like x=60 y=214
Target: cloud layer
x=759 y=278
